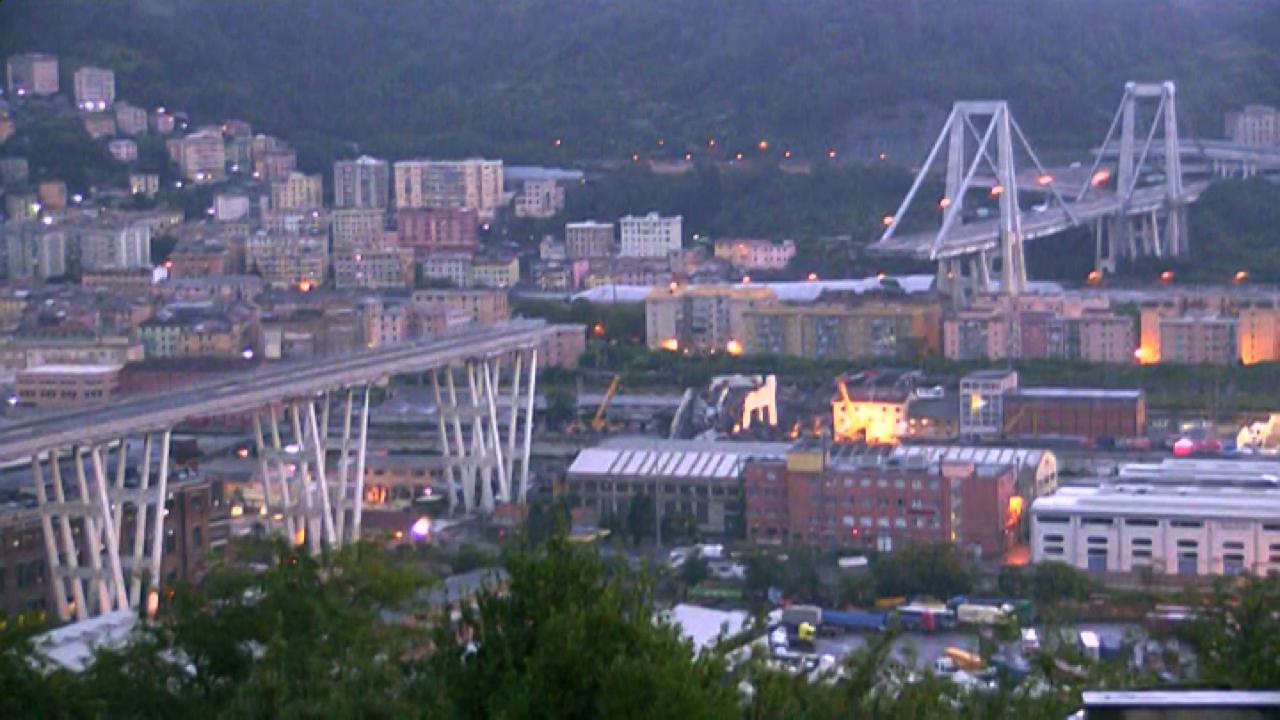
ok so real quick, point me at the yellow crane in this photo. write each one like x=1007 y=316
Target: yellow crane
x=598 y=422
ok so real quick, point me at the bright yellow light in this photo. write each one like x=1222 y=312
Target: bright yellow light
x=300 y=535
x=733 y=347
x=813 y=276
x=763 y=145
x=1014 y=512
x=976 y=403
x=996 y=190
x=1044 y=180
x=1094 y=277
x=671 y=344
x=1241 y=276
x=1100 y=177
x=237 y=510
x=711 y=142
x=944 y=203
x=887 y=220
x=304 y=285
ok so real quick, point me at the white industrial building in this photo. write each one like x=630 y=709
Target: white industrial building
x=1184 y=518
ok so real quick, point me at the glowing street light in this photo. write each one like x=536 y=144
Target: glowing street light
x=1166 y=277
x=786 y=154
x=763 y=145
x=1044 y=180
x=421 y=527
x=813 y=277
x=733 y=347
x=738 y=156
x=688 y=157
x=1241 y=276
x=746 y=279
x=887 y=220
x=557 y=142
x=831 y=153
x=996 y=190
x=944 y=203
x=1100 y=177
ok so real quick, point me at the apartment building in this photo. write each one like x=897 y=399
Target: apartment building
x=145 y=184
x=429 y=231
x=650 y=236
x=372 y=264
x=1254 y=125
x=755 y=253
x=361 y=183
x=32 y=74
x=203 y=156
x=95 y=88
x=483 y=306
x=354 y=224
x=495 y=272
x=289 y=260
x=701 y=318
x=471 y=184
x=539 y=198
x=297 y=191
x=130 y=119
x=871 y=328
x=274 y=163
x=588 y=239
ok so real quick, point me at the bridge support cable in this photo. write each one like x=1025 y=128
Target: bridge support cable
x=995 y=137
x=1130 y=234
x=95 y=525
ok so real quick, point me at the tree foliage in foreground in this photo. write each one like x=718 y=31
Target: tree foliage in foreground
x=347 y=635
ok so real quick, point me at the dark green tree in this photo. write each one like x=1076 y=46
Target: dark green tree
x=569 y=639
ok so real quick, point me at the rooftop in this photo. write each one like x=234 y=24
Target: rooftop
x=642 y=456
x=71 y=369
x=1148 y=500
x=1080 y=393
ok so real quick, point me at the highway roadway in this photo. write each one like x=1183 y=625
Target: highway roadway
x=256 y=389
x=971 y=238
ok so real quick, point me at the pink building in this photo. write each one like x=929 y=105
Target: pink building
x=755 y=253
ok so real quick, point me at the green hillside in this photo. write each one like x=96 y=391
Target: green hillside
x=612 y=77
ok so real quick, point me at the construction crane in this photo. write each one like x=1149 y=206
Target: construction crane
x=598 y=422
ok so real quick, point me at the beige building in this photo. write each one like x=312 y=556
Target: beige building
x=361 y=183
x=484 y=306
x=976 y=333
x=1192 y=327
x=541 y=198
x=289 y=260
x=650 y=236
x=145 y=184
x=353 y=224
x=67 y=386
x=384 y=322
x=1198 y=338
x=95 y=88
x=872 y=328
x=701 y=318
x=755 y=253
x=297 y=191
x=588 y=239
x=203 y=156
x=373 y=264
x=472 y=184
x=454 y=267
x=32 y=74
x=1254 y=125
x=495 y=272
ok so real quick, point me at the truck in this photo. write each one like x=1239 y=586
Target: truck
x=854 y=620
x=924 y=618
x=972 y=614
x=795 y=615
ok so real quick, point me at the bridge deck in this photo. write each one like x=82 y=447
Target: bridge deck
x=258 y=388
x=971 y=238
